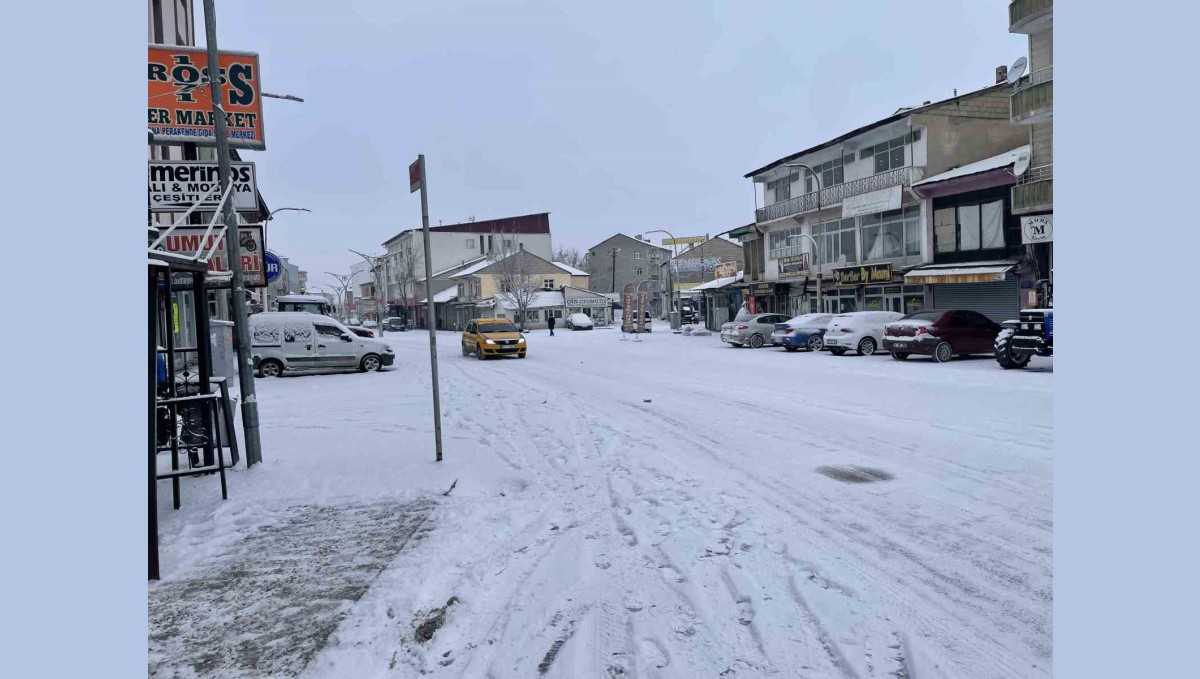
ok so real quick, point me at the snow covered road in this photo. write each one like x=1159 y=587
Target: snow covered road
x=677 y=508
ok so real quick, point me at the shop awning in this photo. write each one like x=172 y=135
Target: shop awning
x=958 y=274
x=447 y=295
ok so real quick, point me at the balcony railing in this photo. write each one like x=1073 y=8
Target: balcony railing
x=1034 y=191
x=1021 y=13
x=1033 y=98
x=901 y=176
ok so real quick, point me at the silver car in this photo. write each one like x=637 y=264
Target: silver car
x=752 y=329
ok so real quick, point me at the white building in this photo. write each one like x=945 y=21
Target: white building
x=868 y=225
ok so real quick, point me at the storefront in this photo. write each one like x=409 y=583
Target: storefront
x=872 y=287
x=901 y=298
x=991 y=288
x=581 y=301
x=767 y=298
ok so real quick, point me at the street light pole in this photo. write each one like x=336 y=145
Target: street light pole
x=377 y=264
x=816 y=251
x=232 y=245
x=297 y=209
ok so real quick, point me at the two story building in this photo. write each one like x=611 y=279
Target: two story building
x=840 y=221
x=622 y=259
x=485 y=289
x=453 y=245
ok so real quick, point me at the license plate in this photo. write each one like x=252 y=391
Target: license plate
x=899 y=339
x=831 y=342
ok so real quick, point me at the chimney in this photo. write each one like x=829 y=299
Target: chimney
x=1001 y=74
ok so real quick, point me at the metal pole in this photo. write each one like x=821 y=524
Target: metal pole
x=437 y=397
x=152 y=393
x=817 y=179
x=232 y=241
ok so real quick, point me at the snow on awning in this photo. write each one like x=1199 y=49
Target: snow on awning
x=447 y=295
x=716 y=283
x=1005 y=159
x=958 y=274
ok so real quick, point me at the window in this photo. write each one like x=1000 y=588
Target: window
x=889 y=155
x=969 y=227
x=781 y=189
x=786 y=242
x=654 y=256
x=507 y=243
x=835 y=238
x=470 y=243
x=892 y=234
x=557 y=313
x=531 y=316
x=637 y=255
x=471 y=326
x=504 y=287
x=328 y=331
x=637 y=271
x=831 y=172
x=548 y=283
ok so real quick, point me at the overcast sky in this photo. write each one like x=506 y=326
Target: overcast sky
x=614 y=116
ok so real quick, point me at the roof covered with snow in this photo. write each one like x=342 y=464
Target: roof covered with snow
x=571 y=270
x=456 y=267
x=302 y=299
x=540 y=300
x=447 y=295
x=718 y=283
x=481 y=264
x=1005 y=159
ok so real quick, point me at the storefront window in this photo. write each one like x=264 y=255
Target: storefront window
x=892 y=234
x=836 y=239
x=970 y=227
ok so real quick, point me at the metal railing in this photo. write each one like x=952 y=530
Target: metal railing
x=901 y=176
x=1032 y=95
x=1037 y=174
x=1034 y=190
x=1023 y=11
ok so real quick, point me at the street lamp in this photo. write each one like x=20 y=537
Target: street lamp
x=816 y=252
x=297 y=209
x=379 y=270
x=670 y=278
x=344 y=281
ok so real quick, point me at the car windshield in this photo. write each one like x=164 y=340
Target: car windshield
x=497 y=326
x=923 y=316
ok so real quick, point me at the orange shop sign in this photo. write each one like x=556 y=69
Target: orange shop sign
x=179 y=108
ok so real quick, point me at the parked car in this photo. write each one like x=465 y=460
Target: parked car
x=370 y=323
x=579 y=322
x=752 y=329
x=802 y=332
x=394 y=324
x=861 y=331
x=294 y=340
x=942 y=334
x=361 y=331
x=488 y=337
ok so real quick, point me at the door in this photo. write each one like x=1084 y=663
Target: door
x=983 y=333
x=959 y=333
x=333 y=350
x=298 y=343
x=469 y=338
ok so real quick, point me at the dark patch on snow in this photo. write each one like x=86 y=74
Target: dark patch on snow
x=855 y=474
x=432 y=621
x=268 y=605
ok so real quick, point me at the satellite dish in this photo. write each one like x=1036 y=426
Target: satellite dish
x=1022 y=164
x=1017 y=70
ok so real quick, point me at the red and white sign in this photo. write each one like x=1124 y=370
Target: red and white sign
x=187 y=241
x=415 y=173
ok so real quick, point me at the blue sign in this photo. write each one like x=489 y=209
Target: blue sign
x=274 y=267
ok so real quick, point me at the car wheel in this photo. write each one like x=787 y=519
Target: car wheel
x=756 y=341
x=735 y=345
x=866 y=347
x=520 y=355
x=270 y=368
x=479 y=353
x=789 y=347
x=899 y=356
x=1006 y=356
x=943 y=352
x=838 y=352
x=815 y=343
x=464 y=350
x=370 y=363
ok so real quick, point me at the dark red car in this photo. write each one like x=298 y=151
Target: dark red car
x=361 y=331
x=942 y=334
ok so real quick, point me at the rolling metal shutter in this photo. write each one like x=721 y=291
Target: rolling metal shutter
x=998 y=301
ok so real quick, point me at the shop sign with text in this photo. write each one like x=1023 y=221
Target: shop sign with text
x=859 y=275
x=793 y=266
x=1039 y=229
x=176 y=186
x=187 y=241
x=179 y=108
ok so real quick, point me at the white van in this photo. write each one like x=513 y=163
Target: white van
x=294 y=340
x=859 y=331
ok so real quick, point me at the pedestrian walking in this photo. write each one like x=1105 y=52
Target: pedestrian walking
x=550 y=323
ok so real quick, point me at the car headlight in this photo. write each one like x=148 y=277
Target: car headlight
x=488 y=341
x=521 y=341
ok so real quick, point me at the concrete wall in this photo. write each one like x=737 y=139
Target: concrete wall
x=1041 y=50
x=954 y=141
x=600 y=263
x=1042 y=136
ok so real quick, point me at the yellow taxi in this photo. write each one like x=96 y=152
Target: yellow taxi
x=487 y=337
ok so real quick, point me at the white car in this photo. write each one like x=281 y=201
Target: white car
x=806 y=321
x=579 y=322
x=295 y=340
x=859 y=331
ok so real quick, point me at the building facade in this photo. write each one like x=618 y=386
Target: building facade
x=699 y=263
x=453 y=245
x=1031 y=104
x=841 y=224
x=487 y=287
x=622 y=259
